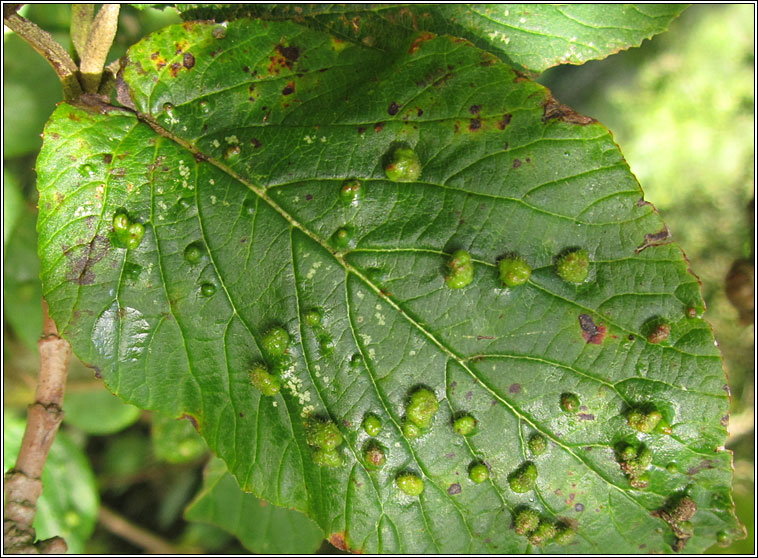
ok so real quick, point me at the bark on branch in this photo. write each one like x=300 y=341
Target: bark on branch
x=22 y=483
x=41 y=41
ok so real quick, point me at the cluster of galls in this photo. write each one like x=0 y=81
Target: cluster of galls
x=537 y=531
x=572 y=267
x=634 y=463
x=275 y=344
x=324 y=437
x=677 y=513
x=126 y=232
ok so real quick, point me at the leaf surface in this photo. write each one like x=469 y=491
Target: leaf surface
x=529 y=36
x=261 y=527
x=245 y=136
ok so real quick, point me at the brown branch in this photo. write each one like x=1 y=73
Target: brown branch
x=41 y=41
x=136 y=535
x=23 y=484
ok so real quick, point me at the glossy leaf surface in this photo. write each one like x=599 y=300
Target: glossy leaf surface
x=529 y=36
x=246 y=135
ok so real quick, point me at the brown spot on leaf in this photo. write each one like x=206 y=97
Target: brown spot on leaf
x=454 y=488
x=663 y=236
x=80 y=266
x=425 y=36
x=192 y=420
x=516 y=163
x=289 y=89
x=393 y=108
x=585 y=416
x=590 y=332
x=290 y=53
x=107 y=158
x=474 y=124
x=704 y=464
x=255 y=143
x=553 y=109
x=188 y=61
x=378 y=127
x=175 y=69
x=502 y=123
x=474 y=109
x=514 y=388
x=338 y=540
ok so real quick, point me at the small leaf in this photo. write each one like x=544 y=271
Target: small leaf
x=68 y=505
x=262 y=527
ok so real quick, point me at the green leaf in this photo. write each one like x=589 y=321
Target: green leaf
x=175 y=440
x=235 y=165
x=30 y=91
x=532 y=36
x=97 y=411
x=22 y=290
x=13 y=204
x=261 y=527
x=69 y=502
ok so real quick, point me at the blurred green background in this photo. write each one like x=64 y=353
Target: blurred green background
x=681 y=107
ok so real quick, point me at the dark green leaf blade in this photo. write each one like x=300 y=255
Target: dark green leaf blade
x=529 y=36
x=261 y=527
x=253 y=127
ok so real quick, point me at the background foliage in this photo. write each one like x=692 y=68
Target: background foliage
x=687 y=136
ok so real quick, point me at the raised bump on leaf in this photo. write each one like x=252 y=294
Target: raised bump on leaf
x=544 y=532
x=344 y=238
x=524 y=478
x=232 y=151
x=478 y=473
x=460 y=270
x=351 y=192
x=327 y=457
x=410 y=484
x=421 y=408
x=374 y=456
x=514 y=271
x=569 y=402
x=659 y=333
x=411 y=430
x=403 y=166
x=563 y=535
x=634 y=462
x=134 y=235
x=464 y=425
x=323 y=434
x=120 y=223
x=526 y=521
x=372 y=425
x=275 y=342
x=263 y=380
x=644 y=421
x=193 y=252
x=573 y=267
x=537 y=444
x=207 y=289
x=312 y=317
